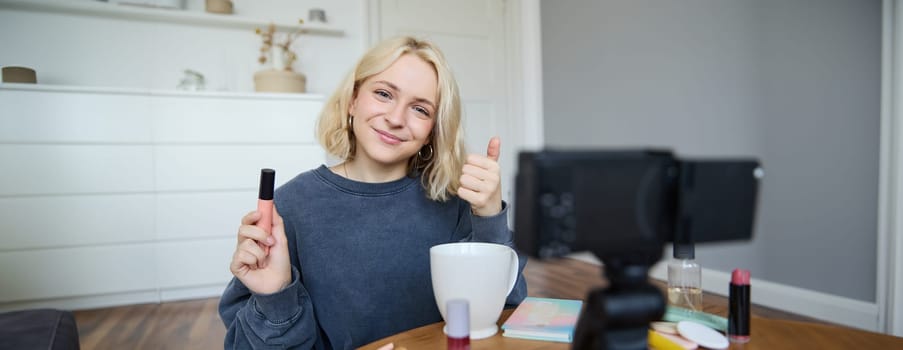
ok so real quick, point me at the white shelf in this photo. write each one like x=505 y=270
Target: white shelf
x=112 y=10
x=155 y=92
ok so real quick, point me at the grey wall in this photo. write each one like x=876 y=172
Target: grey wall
x=794 y=82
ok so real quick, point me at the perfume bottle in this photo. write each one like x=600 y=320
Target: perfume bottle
x=685 y=278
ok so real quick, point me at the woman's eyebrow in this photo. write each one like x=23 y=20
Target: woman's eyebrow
x=391 y=86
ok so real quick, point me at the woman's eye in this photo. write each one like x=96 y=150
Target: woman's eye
x=422 y=110
x=383 y=94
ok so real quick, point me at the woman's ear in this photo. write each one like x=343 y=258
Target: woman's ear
x=352 y=101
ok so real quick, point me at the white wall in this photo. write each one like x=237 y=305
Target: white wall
x=795 y=83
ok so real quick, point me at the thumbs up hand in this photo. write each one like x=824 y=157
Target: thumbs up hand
x=481 y=181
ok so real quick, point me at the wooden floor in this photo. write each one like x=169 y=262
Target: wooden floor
x=196 y=324
x=191 y=324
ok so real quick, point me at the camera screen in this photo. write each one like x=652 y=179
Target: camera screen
x=629 y=202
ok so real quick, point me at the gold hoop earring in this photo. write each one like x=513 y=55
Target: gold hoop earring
x=352 y=148
x=427 y=157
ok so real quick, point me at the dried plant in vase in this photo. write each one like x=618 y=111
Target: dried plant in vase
x=278 y=57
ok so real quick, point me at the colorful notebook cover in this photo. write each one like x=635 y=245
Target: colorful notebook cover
x=544 y=319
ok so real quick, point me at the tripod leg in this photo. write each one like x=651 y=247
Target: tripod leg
x=617 y=317
x=590 y=331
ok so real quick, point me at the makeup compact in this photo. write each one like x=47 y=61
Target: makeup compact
x=664 y=327
x=665 y=341
x=702 y=335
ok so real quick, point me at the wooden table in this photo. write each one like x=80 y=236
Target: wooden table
x=572 y=279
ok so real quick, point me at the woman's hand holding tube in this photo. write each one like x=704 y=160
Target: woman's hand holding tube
x=262 y=273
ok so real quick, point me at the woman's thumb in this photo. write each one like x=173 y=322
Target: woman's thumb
x=493 y=150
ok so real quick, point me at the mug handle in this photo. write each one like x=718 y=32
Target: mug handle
x=514 y=270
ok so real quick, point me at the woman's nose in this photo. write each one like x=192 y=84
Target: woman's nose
x=395 y=116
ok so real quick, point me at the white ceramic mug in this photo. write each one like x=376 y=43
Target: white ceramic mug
x=482 y=273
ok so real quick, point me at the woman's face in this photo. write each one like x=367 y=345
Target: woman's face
x=394 y=112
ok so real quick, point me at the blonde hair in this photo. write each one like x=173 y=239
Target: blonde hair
x=441 y=172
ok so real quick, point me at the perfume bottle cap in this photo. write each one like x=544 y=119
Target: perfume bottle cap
x=458 y=322
x=684 y=251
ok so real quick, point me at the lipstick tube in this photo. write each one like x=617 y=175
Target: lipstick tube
x=265 y=203
x=738 y=311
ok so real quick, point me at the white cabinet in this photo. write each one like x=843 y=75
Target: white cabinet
x=116 y=190
x=112 y=196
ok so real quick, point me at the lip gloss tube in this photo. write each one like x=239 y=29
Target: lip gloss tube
x=265 y=203
x=738 y=311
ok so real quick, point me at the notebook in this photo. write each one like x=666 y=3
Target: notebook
x=543 y=319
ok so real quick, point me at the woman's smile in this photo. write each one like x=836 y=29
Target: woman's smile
x=388 y=137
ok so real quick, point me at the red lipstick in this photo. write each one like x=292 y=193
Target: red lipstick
x=738 y=311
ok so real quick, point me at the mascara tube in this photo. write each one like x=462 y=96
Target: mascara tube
x=265 y=203
x=738 y=312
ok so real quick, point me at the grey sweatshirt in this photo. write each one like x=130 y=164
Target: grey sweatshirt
x=360 y=264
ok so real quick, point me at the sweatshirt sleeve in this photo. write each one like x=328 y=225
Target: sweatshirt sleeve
x=494 y=229
x=282 y=320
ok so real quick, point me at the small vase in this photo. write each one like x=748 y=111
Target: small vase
x=272 y=80
x=218 y=6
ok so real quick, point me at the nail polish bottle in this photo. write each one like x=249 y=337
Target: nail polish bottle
x=457 y=326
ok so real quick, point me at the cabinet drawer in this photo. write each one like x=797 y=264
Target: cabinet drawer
x=218 y=119
x=56 y=273
x=194 y=263
x=73 y=117
x=67 y=221
x=204 y=167
x=182 y=216
x=75 y=169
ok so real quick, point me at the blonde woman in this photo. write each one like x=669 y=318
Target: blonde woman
x=349 y=255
